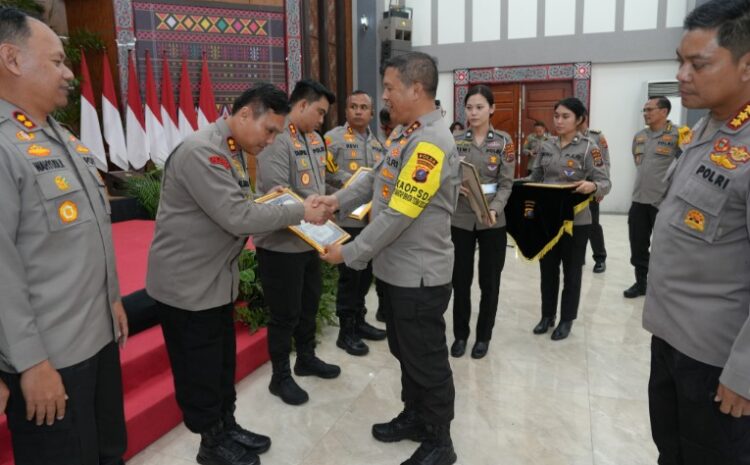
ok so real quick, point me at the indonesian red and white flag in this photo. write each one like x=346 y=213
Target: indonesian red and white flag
x=206 y=102
x=91 y=133
x=188 y=122
x=157 y=141
x=168 y=108
x=113 y=133
x=135 y=123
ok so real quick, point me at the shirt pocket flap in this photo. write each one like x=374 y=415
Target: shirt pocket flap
x=703 y=197
x=57 y=184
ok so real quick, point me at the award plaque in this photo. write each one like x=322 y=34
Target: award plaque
x=318 y=236
x=477 y=201
x=360 y=212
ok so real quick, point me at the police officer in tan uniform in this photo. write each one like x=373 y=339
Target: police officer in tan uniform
x=492 y=154
x=533 y=143
x=288 y=267
x=351 y=147
x=698 y=296
x=654 y=150
x=596 y=234
x=414 y=193
x=205 y=217
x=568 y=158
x=61 y=314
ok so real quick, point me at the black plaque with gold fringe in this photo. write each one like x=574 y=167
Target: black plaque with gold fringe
x=537 y=215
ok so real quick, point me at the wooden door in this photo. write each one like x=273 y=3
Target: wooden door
x=507 y=106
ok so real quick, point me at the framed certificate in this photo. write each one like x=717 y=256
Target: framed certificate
x=477 y=201
x=360 y=212
x=318 y=236
x=567 y=185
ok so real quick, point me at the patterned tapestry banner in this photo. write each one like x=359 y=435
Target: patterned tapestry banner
x=243 y=44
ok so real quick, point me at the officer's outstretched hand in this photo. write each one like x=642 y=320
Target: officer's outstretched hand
x=44 y=393
x=585 y=187
x=4 y=394
x=121 y=320
x=330 y=201
x=333 y=254
x=315 y=211
x=731 y=402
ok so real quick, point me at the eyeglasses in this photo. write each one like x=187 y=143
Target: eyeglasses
x=650 y=109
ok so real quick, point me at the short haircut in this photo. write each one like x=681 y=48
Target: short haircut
x=14 y=26
x=385 y=116
x=730 y=18
x=415 y=67
x=456 y=124
x=540 y=124
x=359 y=92
x=482 y=90
x=312 y=91
x=575 y=105
x=662 y=102
x=261 y=98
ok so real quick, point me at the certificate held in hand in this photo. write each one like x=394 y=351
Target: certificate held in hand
x=476 y=193
x=360 y=212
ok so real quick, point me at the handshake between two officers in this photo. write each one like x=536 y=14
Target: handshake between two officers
x=318 y=210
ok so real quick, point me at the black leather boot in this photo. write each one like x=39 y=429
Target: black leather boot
x=255 y=443
x=349 y=340
x=636 y=290
x=437 y=450
x=367 y=331
x=218 y=448
x=309 y=365
x=563 y=330
x=283 y=385
x=544 y=324
x=458 y=348
x=407 y=425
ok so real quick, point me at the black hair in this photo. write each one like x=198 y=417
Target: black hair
x=456 y=124
x=731 y=19
x=385 y=117
x=261 y=98
x=312 y=91
x=14 y=26
x=575 y=105
x=662 y=102
x=482 y=90
x=415 y=67
x=540 y=124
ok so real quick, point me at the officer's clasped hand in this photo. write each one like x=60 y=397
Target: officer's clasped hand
x=316 y=212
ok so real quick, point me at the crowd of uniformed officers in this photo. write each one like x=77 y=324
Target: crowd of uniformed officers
x=62 y=318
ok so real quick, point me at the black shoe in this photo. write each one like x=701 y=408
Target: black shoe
x=310 y=365
x=348 y=339
x=544 y=324
x=379 y=316
x=218 y=448
x=600 y=267
x=562 y=331
x=636 y=290
x=285 y=387
x=365 y=330
x=480 y=349
x=407 y=425
x=255 y=443
x=458 y=348
x=437 y=450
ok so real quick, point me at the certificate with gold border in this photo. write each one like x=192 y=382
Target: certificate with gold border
x=318 y=236
x=362 y=211
x=477 y=201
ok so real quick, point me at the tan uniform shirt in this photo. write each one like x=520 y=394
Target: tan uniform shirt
x=347 y=152
x=580 y=160
x=495 y=162
x=698 y=296
x=414 y=192
x=205 y=216
x=657 y=150
x=57 y=263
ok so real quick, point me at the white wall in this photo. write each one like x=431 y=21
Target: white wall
x=617 y=98
x=445 y=94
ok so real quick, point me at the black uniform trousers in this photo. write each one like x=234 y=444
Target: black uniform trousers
x=291 y=287
x=686 y=424
x=353 y=286
x=596 y=234
x=641 y=219
x=93 y=429
x=416 y=337
x=571 y=252
x=492 y=244
x=202 y=350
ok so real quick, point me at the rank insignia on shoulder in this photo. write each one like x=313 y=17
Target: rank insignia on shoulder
x=62 y=183
x=24 y=136
x=742 y=117
x=219 y=160
x=232 y=144
x=80 y=148
x=685 y=136
x=68 y=211
x=24 y=120
x=38 y=151
x=695 y=220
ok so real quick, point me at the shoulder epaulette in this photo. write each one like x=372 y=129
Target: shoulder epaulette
x=740 y=119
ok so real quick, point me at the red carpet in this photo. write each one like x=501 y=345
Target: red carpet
x=150 y=407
